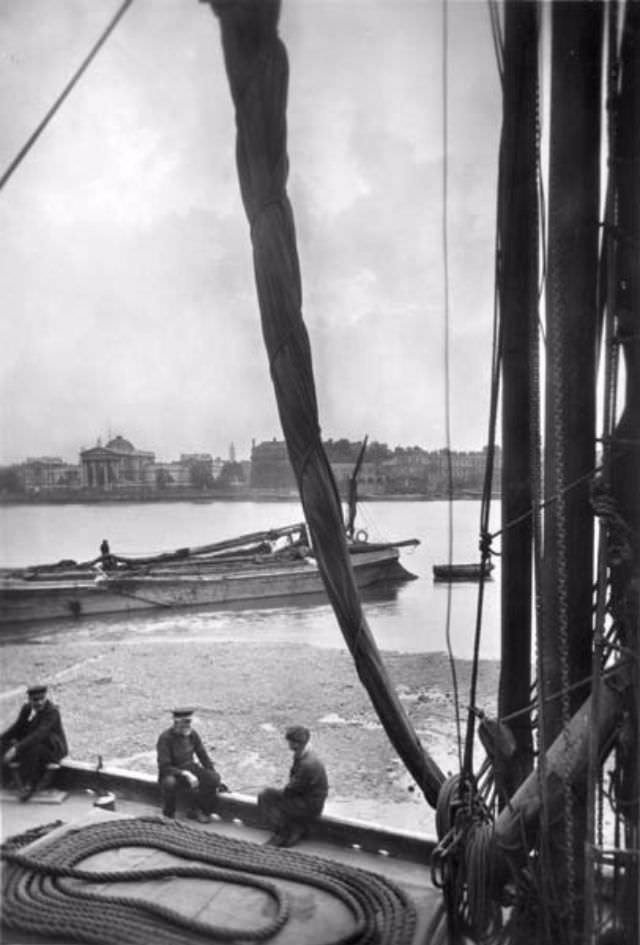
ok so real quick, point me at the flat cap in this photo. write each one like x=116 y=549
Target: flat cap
x=38 y=690
x=183 y=712
x=298 y=734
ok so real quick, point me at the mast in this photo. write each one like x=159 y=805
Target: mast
x=571 y=319
x=623 y=551
x=257 y=69
x=574 y=177
x=572 y=878
x=353 y=490
x=518 y=284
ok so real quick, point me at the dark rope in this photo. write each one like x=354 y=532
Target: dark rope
x=485 y=509
x=447 y=360
x=543 y=504
x=45 y=891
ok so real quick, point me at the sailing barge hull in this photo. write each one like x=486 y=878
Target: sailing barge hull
x=23 y=600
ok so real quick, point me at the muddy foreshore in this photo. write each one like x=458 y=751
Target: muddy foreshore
x=116 y=698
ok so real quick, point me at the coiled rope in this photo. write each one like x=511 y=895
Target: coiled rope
x=462 y=862
x=42 y=892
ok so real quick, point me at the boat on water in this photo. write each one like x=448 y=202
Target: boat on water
x=252 y=568
x=540 y=843
x=473 y=571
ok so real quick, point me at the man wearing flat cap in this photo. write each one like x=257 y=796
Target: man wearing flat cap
x=289 y=811
x=35 y=740
x=185 y=767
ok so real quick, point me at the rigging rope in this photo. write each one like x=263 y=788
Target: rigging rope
x=540 y=505
x=24 y=150
x=559 y=426
x=485 y=510
x=485 y=537
x=537 y=335
x=614 y=535
x=447 y=367
x=45 y=891
x=496 y=35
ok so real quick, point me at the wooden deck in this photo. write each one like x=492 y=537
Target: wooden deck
x=315 y=915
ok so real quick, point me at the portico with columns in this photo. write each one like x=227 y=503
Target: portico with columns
x=114 y=466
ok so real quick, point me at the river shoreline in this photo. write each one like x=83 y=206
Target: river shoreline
x=116 y=698
x=249 y=495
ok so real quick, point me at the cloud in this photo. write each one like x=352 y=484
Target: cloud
x=127 y=273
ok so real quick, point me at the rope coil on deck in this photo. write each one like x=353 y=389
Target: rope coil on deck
x=46 y=892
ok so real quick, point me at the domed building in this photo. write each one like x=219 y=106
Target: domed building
x=119 y=444
x=118 y=465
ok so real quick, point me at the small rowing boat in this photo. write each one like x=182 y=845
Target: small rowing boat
x=461 y=572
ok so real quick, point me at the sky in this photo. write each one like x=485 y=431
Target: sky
x=128 y=305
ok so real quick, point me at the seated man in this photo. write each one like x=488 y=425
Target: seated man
x=289 y=811
x=178 y=769
x=35 y=740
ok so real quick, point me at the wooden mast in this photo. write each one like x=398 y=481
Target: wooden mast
x=625 y=447
x=518 y=279
x=574 y=179
x=571 y=322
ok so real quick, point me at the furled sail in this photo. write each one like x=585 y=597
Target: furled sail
x=257 y=68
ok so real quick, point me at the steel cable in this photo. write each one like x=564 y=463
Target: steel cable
x=24 y=150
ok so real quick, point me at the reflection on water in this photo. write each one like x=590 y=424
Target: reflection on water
x=409 y=617
x=297 y=617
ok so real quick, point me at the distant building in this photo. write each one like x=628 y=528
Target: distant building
x=416 y=470
x=203 y=459
x=199 y=469
x=171 y=475
x=411 y=471
x=120 y=467
x=270 y=467
x=406 y=471
x=115 y=466
x=372 y=479
x=47 y=473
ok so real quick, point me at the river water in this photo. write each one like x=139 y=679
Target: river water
x=411 y=618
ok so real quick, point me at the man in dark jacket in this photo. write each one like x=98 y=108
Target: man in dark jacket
x=290 y=811
x=35 y=740
x=184 y=765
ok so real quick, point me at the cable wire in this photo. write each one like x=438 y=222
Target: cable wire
x=24 y=150
x=447 y=363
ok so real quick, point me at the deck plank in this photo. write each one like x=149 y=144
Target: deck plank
x=316 y=917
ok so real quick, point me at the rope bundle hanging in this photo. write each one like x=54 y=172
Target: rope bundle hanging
x=46 y=891
x=462 y=864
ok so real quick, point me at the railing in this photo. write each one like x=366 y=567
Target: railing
x=240 y=808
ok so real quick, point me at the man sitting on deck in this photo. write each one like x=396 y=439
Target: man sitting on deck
x=183 y=762
x=35 y=740
x=290 y=811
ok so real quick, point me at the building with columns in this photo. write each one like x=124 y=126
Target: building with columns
x=118 y=465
